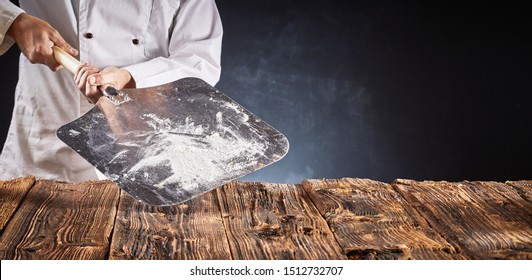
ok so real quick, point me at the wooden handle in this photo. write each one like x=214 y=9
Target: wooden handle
x=65 y=59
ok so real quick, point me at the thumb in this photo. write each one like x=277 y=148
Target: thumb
x=60 y=42
x=99 y=79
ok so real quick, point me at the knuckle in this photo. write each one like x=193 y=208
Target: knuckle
x=54 y=33
x=31 y=58
x=31 y=55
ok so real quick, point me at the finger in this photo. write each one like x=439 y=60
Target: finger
x=60 y=42
x=78 y=77
x=89 y=92
x=83 y=74
x=46 y=54
x=107 y=77
x=93 y=93
x=78 y=74
x=99 y=79
x=83 y=78
x=79 y=68
x=95 y=79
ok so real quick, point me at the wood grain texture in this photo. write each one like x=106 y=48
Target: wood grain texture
x=62 y=221
x=189 y=231
x=523 y=188
x=485 y=220
x=372 y=221
x=273 y=221
x=320 y=219
x=11 y=195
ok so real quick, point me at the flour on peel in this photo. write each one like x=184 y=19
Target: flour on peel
x=195 y=156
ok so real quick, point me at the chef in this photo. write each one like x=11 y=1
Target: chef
x=121 y=43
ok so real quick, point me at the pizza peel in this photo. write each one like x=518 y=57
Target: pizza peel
x=166 y=144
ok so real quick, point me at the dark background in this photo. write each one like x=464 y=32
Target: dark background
x=377 y=89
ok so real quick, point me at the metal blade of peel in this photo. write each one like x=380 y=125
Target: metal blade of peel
x=173 y=142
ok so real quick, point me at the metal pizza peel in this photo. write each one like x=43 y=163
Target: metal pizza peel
x=166 y=144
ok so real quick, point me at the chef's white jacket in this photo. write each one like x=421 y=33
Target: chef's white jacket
x=157 y=41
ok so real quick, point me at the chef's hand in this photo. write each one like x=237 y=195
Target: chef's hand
x=35 y=39
x=89 y=78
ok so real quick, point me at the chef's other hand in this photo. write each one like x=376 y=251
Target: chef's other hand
x=110 y=76
x=35 y=39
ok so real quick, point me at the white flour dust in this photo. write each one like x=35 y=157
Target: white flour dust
x=193 y=154
x=74 y=133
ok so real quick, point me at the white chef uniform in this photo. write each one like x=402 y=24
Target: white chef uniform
x=157 y=41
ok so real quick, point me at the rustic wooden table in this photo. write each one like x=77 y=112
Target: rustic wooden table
x=318 y=219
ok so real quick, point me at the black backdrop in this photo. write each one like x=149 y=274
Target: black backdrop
x=377 y=89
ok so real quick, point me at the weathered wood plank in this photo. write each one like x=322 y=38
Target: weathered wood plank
x=11 y=194
x=189 y=231
x=485 y=220
x=524 y=188
x=62 y=221
x=273 y=221
x=372 y=221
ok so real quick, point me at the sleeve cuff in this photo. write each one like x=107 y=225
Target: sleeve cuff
x=8 y=13
x=160 y=70
x=141 y=71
